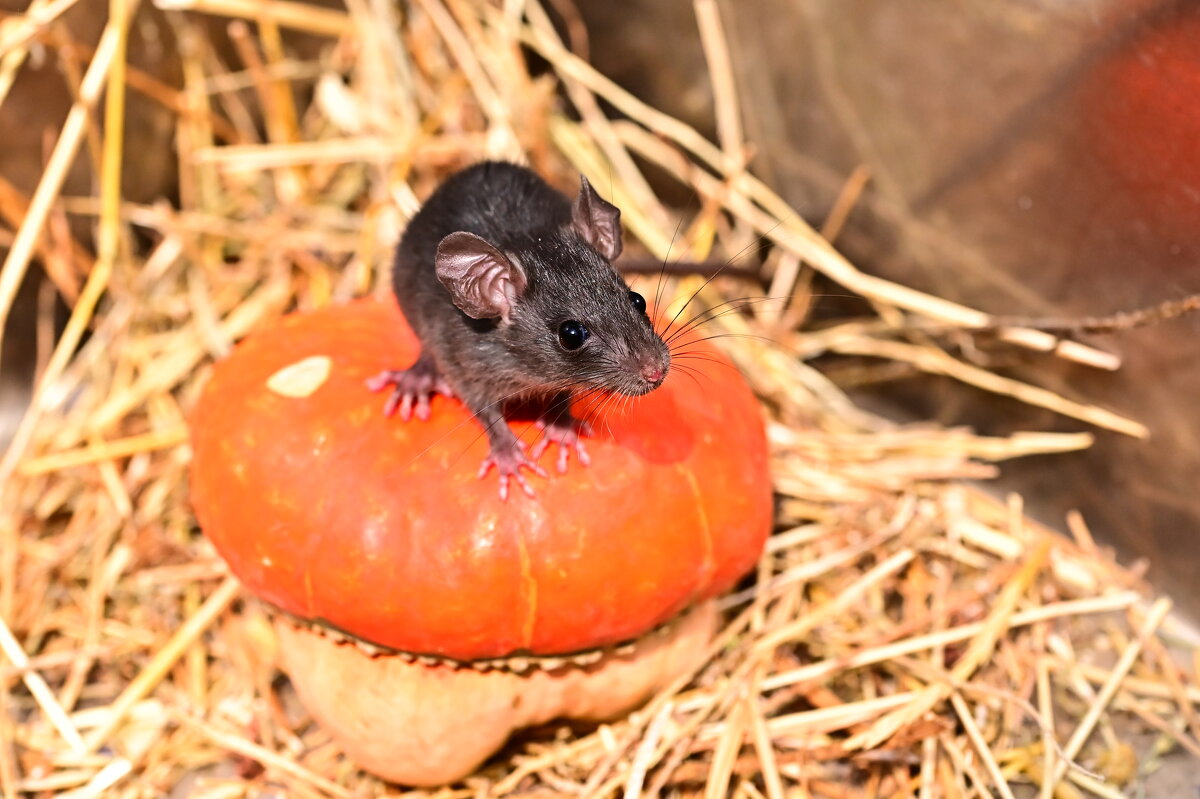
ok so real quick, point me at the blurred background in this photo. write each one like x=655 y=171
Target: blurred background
x=1031 y=158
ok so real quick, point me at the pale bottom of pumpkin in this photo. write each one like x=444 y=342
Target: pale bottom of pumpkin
x=430 y=725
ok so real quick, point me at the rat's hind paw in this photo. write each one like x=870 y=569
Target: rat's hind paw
x=508 y=462
x=566 y=431
x=414 y=385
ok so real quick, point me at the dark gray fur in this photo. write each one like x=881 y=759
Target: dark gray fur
x=491 y=361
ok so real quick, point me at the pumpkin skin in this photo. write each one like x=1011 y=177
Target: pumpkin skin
x=381 y=528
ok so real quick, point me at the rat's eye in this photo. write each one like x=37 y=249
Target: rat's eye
x=571 y=335
x=638 y=301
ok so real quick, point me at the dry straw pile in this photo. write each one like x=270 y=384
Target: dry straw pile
x=906 y=634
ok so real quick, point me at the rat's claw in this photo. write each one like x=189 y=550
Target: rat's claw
x=508 y=463
x=423 y=407
x=567 y=434
x=389 y=407
x=521 y=481
x=411 y=389
x=580 y=453
x=384 y=379
x=564 y=451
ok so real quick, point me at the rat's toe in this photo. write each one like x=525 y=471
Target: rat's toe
x=423 y=407
x=393 y=402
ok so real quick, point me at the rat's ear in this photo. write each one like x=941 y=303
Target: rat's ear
x=482 y=281
x=597 y=221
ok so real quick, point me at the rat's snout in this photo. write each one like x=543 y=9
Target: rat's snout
x=652 y=373
x=643 y=372
x=653 y=368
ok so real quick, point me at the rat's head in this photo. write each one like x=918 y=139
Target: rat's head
x=559 y=302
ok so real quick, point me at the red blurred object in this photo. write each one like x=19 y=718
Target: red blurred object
x=1142 y=116
x=381 y=529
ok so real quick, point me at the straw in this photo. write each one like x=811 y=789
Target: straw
x=905 y=634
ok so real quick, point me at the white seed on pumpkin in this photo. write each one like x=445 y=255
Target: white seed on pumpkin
x=302 y=378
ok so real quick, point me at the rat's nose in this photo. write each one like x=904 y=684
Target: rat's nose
x=652 y=373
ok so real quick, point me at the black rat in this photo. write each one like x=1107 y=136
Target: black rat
x=510 y=288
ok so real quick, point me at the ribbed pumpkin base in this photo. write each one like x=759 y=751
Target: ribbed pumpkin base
x=428 y=725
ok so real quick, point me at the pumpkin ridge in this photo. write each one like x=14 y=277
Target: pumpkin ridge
x=310 y=604
x=530 y=593
x=704 y=526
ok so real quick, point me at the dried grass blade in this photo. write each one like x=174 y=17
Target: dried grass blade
x=105 y=451
x=163 y=660
x=981 y=646
x=643 y=757
x=981 y=745
x=764 y=747
x=839 y=604
x=285 y=765
x=729 y=743
x=935 y=361
x=39 y=689
x=65 y=150
x=306 y=17
x=1083 y=731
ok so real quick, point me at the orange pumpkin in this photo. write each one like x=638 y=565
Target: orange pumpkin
x=381 y=529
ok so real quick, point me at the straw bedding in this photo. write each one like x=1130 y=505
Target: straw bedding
x=906 y=633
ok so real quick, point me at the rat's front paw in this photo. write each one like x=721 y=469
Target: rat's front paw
x=509 y=460
x=411 y=387
x=564 y=431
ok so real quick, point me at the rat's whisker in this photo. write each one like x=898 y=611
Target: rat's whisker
x=610 y=404
x=729 y=262
x=717 y=311
x=692 y=375
x=728 y=306
x=662 y=272
x=679 y=345
x=701 y=356
x=592 y=399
